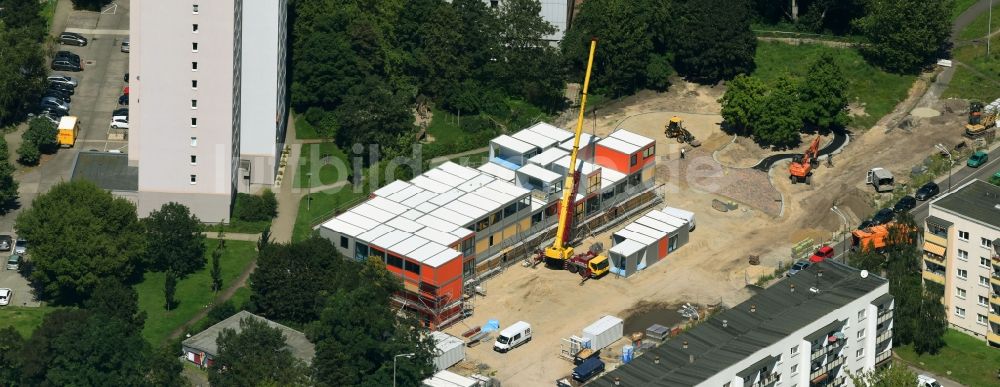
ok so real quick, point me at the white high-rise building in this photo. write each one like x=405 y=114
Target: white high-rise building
x=207 y=94
x=810 y=329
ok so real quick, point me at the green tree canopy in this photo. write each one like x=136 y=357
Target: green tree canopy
x=712 y=39
x=780 y=119
x=174 y=240
x=373 y=114
x=80 y=234
x=114 y=300
x=743 y=102
x=8 y=186
x=22 y=71
x=895 y=375
x=11 y=344
x=42 y=133
x=292 y=281
x=905 y=35
x=528 y=67
x=823 y=94
x=255 y=356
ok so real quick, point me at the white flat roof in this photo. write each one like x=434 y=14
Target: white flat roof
x=426 y=207
x=442 y=258
x=405 y=193
x=437 y=223
x=666 y=218
x=655 y=224
x=619 y=145
x=627 y=247
x=357 y=220
x=458 y=170
x=610 y=177
x=453 y=216
x=646 y=230
x=343 y=227
x=548 y=157
x=427 y=251
x=391 y=188
x=476 y=182
x=406 y=246
x=550 y=131
x=403 y=224
x=413 y=214
x=535 y=139
x=466 y=209
x=480 y=201
x=418 y=199
x=443 y=238
x=391 y=238
x=584 y=167
x=631 y=138
x=512 y=143
x=585 y=140
x=645 y=240
x=497 y=171
x=371 y=212
x=500 y=197
x=375 y=233
x=509 y=189
x=388 y=205
x=429 y=184
x=540 y=173
x=447 y=179
x=449 y=196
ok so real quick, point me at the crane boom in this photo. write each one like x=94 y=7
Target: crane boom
x=559 y=252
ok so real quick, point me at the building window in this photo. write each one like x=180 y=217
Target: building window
x=984 y=281
x=194 y=121
x=984 y=262
x=960 y=293
x=194 y=28
x=194 y=66
x=985 y=243
x=194 y=179
x=343 y=242
x=194 y=84
x=983 y=301
x=963 y=235
x=963 y=255
x=491 y=240
x=412 y=267
x=394 y=261
x=860 y=352
x=861 y=314
x=960 y=312
x=861 y=333
x=194 y=46
x=795 y=369
x=194 y=104
x=633 y=160
x=962 y=273
x=194 y=141
x=981 y=319
x=194 y=160
x=795 y=350
x=194 y=9
x=649 y=152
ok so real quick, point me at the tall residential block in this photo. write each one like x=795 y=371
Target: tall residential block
x=207 y=114
x=961 y=236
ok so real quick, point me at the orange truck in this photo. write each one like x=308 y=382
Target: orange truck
x=69 y=129
x=876 y=237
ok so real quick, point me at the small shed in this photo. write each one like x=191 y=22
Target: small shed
x=449 y=350
x=625 y=257
x=202 y=349
x=678 y=236
x=604 y=332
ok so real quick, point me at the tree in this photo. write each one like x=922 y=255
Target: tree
x=823 y=94
x=932 y=324
x=165 y=369
x=357 y=348
x=904 y=274
x=866 y=258
x=169 y=289
x=426 y=33
x=373 y=114
x=713 y=40
x=174 y=239
x=743 y=102
x=23 y=68
x=216 y=270
x=43 y=134
x=114 y=300
x=11 y=343
x=19 y=14
x=905 y=35
x=74 y=347
x=80 y=234
x=896 y=374
x=8 y=186
x=256 y=355
x=293 y=280
x=630 y=36
x=28 y=153
x=779 y=120
x=530 y=68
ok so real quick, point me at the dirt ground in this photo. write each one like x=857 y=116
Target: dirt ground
x=712 y=268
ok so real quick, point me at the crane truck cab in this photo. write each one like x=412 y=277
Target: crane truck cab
x=881 y=179
x=512 y=337
x=589 y=264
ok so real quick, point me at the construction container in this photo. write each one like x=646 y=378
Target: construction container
x=450 y=379
x=646 y=241
x=449 y=350
x=683 y=214
x=626 y=152
x=604 y=332
x=625 y=257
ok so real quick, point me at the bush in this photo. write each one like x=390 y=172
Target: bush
x=252 y=208
x=28 y=154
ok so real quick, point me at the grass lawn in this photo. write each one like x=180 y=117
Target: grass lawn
x=193 y=292
x=49 y=11
x=878 y=90
x=25 y=320
x=329 y=172
x=303 y=129
x=239 y=227
x=323 y=206
x=971 y=362
x=978 y=28
x=444 y=127
x=966 y=83
x=961 y=6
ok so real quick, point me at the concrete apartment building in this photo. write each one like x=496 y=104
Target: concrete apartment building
x=207 y=101
x=809 y=329
x=961 y=237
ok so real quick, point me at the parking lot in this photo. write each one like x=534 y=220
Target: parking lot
x=96 y=96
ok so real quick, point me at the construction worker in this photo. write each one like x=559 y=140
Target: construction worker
x=829 y=160
x=682 y=153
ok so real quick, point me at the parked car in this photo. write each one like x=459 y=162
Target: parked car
x=5 y=295
x=51 y=118
x=72 y=38
x=53 y=104
x=67 y=55
x=904 y=204
x=119 y=124
x=21 y=246
x=927 y=381
x=14 y=262
x=62 y=64
x=125 y=45
x=797 y=267
x=883 y=216
x=6 y=242
x=927 y=191
x=64 y=79
x=57 y=94
x=995 y=179
x=120 y=112
x=63 y=86
x=866 y=223
x=977 y=159
x=823 y=253
x=58 y=91
x=123 y=100
x=126 y=77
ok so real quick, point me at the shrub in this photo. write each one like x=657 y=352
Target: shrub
x=253 y=208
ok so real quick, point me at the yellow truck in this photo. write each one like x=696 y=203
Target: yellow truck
x=69 y=129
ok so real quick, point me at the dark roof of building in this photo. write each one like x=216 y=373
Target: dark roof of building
x=977 y=200
x=779 y=312
x=938 y=221
x=107 y=170
x=205 y=341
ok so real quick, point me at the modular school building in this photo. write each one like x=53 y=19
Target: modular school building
x=646 y=241
x=452 y=223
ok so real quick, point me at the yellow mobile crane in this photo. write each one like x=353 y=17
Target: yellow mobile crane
x=560 y=254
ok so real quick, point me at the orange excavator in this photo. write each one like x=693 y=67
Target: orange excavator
x=800 y=171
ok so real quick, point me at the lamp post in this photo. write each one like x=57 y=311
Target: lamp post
x=309 y=198
x=406 y=355
x=951 y=162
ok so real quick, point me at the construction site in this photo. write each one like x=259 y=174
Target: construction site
x=493 y=242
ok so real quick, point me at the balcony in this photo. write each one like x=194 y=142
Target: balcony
x=884 y=316
x=934 y=276
x=823 y=371
x=994 y=318
x=993 y=337
x=768 y=379
x=995 y=278
x=881 y=357
x=995 y=298
x=935 y=239
x=939 y=260
x=884 y=336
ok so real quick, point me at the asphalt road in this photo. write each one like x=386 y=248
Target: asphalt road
x=960 y=175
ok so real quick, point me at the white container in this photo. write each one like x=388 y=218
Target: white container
x=605 y=331
x=449 y=350
x=683 y=214
x=449 y=379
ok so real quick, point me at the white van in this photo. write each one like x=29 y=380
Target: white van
x=513 y=336
x=927 y=381
x=683 y=214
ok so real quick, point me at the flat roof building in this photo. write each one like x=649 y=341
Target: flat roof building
x=810 y=328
